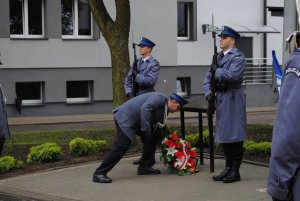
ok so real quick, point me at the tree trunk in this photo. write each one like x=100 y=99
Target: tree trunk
x=116 y=34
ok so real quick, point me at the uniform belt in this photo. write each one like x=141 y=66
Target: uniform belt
x=224 y=88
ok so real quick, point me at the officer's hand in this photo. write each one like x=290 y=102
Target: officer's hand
x=134 y=72
x=130 y=95
x=208 y=97
x=213 y=68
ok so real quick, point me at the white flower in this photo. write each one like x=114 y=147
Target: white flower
x=171 y=151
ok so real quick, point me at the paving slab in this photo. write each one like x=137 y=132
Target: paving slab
x=75 y=183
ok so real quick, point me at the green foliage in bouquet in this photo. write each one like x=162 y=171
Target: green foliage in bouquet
x=44 y=153
x=8 y=163
x=82 y=147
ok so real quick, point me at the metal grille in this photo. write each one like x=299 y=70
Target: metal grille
x=258 y=71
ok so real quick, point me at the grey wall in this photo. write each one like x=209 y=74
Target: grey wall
x=4 y=16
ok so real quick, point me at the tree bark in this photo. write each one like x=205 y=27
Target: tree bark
x=116 y=34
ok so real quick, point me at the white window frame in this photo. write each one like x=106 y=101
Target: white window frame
x=82 y=99
x=188 y=23
x=26 y=24
x=75 y=24
x=183 y=91
x=35 y=101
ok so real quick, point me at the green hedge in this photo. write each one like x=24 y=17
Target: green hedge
x=82 y=147
x=258 y=148
x=44 y=153
x=8 y=163
x=194 y=138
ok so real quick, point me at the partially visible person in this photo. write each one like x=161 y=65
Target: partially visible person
x=146 y=75
x=284 y=176
x=230 y=104
x=4 y=129
x=140 y=114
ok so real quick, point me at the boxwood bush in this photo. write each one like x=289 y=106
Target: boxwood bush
x=44 y=153
x=259 y=148
x=8 y=163
x=82 y=147
x=194 y=138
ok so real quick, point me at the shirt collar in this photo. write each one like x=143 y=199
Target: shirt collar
x=227 y=51
x=146 y=58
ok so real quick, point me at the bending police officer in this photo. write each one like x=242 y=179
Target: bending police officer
x=142 y=113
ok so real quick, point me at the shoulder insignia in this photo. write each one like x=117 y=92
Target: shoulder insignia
x=293 y=70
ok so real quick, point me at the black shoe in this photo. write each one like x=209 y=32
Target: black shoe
x=147 y=171
x=222 y=175
x=233 y=176
x=101 y=178
x=137 y=161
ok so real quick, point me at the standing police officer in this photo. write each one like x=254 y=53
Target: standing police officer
x=230 y=104
x=146 y=75
x=142 y=113
x=284 y=177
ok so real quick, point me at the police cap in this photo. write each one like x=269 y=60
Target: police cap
x=227 y=31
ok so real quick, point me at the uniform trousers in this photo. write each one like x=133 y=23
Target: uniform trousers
x=121 y=146
x=234 y=153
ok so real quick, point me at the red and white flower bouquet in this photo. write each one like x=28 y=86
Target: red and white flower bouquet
x=179 y=155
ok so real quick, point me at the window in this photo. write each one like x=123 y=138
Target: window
x=183 y=86
x=31 y=93
x=76 y=19
x=186 y=20
x=79 y=91
x=26 y=18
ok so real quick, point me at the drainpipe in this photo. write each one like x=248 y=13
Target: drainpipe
x=264 y=34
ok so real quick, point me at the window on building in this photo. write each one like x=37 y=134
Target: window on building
x=31 y=93
x=183 y=86
x=76 y=19
x=26 y=18
x=186 y=20
x=79 y=91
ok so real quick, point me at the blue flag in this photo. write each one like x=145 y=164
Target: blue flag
x=277 y=70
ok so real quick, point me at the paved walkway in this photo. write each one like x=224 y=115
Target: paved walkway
x=75 y=183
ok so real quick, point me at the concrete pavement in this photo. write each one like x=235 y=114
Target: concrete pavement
x=75 y=183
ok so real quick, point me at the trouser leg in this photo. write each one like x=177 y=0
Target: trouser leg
x=237 y=156
x=121 y=146
x=2 y=140
x=228 y=164
x=148 y=154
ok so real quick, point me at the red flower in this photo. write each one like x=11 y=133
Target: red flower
x=173 y=136
x=193 y=154
x=179 y=154
x=178 y=145
x=170 y=143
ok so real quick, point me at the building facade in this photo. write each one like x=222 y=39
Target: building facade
x=57 y=62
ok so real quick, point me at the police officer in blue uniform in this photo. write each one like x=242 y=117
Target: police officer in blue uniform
x=142 y=113
x=230 y=104
x=4 y=129
x=146 y=75
x=284 y=176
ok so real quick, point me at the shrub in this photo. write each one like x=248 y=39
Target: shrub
x=261 y=148
x=44 y=153
x=8 y=163
x=82 y=147
x=194 y=138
